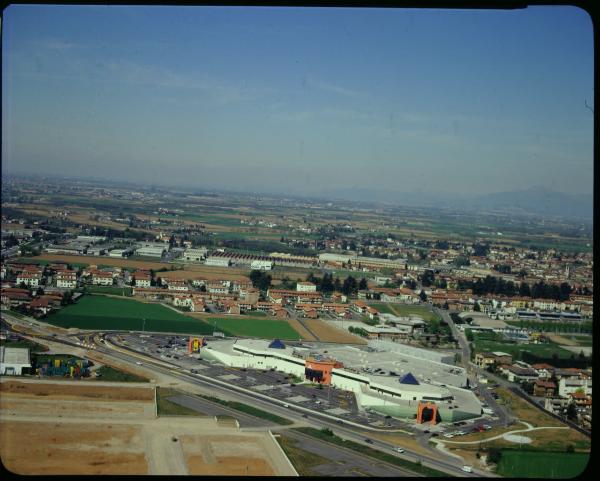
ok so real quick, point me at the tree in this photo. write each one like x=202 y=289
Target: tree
x=476 y=308
x=481 y=250
x=350 y=286
x=422 y=296
x=327 y=283
x=572 y=412
x=494 y=455
x=362 y=285
x=40 y=291
x=260 y=279
x=428 y=278
x=337 y=285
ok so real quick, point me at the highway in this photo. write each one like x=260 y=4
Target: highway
x=218 y=388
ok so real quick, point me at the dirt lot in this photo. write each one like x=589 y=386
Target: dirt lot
x=70 y=391
x=109 y=261
x=86 y=430
x=232 y=455
x=54 y=448
x=332 y=334
x=561 y=340
x=193 y=272
x=301 y=330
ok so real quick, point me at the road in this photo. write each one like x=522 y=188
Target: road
x=441 y=462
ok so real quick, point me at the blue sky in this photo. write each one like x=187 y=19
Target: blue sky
x=301 y=100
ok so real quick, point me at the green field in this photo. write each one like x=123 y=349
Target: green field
x=116 y=291
x=481 y=344
x=107 y=373
x=406 y=310
x=255 y=327
x=532 y=464
x=100 y=312
x=548 y=326
x=41 y=262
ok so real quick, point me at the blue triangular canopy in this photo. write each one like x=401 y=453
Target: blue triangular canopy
x=277 y=344
x=408 y=378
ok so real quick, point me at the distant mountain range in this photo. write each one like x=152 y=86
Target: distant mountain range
x=535 y=201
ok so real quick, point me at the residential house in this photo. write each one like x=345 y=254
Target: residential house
x=543 y=388
x=66 y=279
x=519 y=374
x=30 y=279
x=101 y=278
x=487 y=358
x=177 y=285
x=567 y=386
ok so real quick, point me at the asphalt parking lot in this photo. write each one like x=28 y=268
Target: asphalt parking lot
x=326 y=399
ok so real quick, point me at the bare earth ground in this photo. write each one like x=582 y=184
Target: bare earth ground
x=68 y=390
x=329 y=333
x=55 y=448
x=301 y=330
x=215 y=456
x=561 y=340
x=53 y=427
x=189 y=272
x=109 y=261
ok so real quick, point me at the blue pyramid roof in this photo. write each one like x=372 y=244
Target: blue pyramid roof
x=408 y=378
x=277 y=344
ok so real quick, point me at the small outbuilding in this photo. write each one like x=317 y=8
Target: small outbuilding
x=13 y=360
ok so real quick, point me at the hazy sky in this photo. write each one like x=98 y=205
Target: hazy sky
x=301 y=100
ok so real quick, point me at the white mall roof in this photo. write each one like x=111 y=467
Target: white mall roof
x=14 y=355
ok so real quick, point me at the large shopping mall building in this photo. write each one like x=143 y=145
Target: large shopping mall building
x=387 y=377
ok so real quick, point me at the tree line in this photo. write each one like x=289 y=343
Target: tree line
x=497 y=285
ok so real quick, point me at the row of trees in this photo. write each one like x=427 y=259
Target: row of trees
x=327 y=284
x=497 y=285
x=260 y=279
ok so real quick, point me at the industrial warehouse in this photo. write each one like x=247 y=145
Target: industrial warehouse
x=392 y=379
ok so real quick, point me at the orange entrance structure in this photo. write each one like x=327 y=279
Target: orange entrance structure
x=320 y=370
x=195 y=343
x=429 y=406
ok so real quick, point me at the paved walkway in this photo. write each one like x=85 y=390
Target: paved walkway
x=529 y=428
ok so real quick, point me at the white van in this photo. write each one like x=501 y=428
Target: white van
x=467 y=469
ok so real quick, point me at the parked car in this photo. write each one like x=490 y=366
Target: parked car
x=399 y=450
x=467 y=469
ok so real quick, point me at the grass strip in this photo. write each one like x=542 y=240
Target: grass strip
x=107 y=373
x=327 y=436
x=259 y=413
x=302 y=460
x=168 y=408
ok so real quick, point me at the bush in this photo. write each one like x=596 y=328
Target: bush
x=494 y=455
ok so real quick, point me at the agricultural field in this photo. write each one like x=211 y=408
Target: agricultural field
x=536 y=464
x=482 y=342
x=110 y=261
x=115 y=291
x=584 y=327
x=404 y=310
x=255 y=327
x=101 y=312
